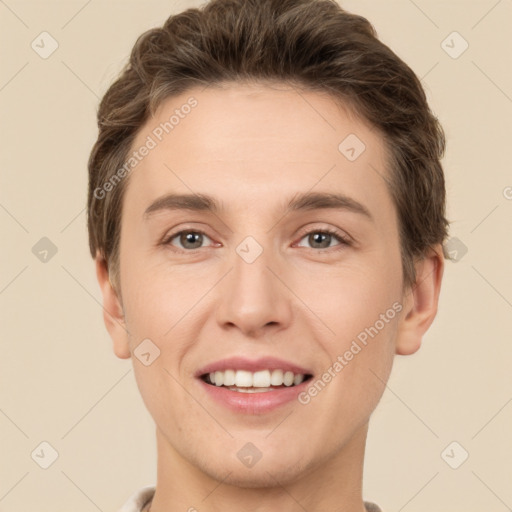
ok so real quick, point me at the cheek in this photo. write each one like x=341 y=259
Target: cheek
x=154 y=295
x=163 y=307
x=361 y=361
x=157 y=388
x=362 y=322
x=354 y=299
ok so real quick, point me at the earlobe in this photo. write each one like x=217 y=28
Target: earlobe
x=420 y=302
x=113 y=314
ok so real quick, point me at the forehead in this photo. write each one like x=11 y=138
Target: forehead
x=257 y=139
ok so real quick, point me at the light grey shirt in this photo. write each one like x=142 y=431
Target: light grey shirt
x=141 y=498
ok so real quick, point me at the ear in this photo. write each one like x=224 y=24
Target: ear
x=420 y=302
x=113 y=314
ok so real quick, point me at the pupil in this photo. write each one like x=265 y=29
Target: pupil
x=317 y=237
x=189 y=238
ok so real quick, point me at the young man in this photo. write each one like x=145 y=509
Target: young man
x=267 y=213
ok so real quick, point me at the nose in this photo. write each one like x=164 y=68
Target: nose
x=253 y=299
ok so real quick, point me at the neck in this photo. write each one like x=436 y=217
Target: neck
x=334 y=484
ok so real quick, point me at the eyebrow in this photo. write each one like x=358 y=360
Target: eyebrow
x=299 y=202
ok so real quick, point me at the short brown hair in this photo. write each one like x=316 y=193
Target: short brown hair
x=312 y=44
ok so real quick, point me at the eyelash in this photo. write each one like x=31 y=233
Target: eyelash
x=344 y=241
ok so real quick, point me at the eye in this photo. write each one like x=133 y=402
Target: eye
x=321 y=239
x=188 y=239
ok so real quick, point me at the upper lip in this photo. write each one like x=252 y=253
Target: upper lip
x=252 y=365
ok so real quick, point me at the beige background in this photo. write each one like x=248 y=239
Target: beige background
x=60 y=381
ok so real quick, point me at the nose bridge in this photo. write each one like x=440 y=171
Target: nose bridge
x=252 y=296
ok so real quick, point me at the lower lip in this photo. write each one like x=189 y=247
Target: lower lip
x=253 y=403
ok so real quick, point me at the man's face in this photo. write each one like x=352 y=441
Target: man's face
x=256 y=279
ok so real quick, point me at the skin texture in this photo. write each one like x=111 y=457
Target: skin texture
x=253 y=147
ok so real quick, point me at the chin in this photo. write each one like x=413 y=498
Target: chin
x=260 y=479
x=264 y=474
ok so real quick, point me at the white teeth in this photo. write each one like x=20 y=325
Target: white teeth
x=288 y=378
x=219 y=378
x=229 y=378
x=298 y=379
x=243 y=379
x=277 y=378
x=251 y=390
x=261 y=379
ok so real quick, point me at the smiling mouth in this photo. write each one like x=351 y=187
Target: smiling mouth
x=262 y=381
